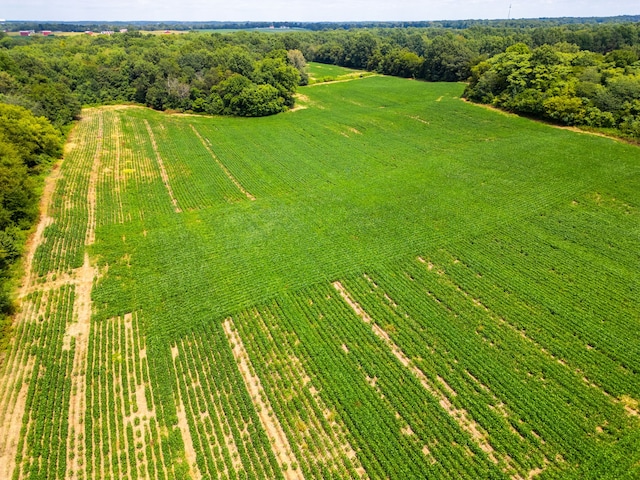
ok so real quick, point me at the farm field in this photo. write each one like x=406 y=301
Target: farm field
x=321 y=72
x=386 y=282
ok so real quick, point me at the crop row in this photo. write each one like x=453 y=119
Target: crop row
x=568 y=300
x=130 y=187
x=147 y=193
x=319 y=442
x=122 y=437
x=63 y=245
x=416 y=337
x=393 y=424
x=33 y=306
x=227 y=435
x=196 y=178
x=111 y=175
x=43 y=438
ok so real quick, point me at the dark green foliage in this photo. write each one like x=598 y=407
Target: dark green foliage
x=32 y=138
x=448 y=58
x=54 y=101
x=53 y=78
x=562 y=84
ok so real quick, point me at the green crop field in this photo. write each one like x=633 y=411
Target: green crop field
x=386 y=282
x=320 y=72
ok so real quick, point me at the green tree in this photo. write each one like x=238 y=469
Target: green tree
x=448 y=58
x=297 y=60
x=34 y=140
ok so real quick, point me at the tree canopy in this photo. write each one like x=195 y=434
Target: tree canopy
x=53 y=77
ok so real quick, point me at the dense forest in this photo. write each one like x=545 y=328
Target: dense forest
x=202 y=73
x=520 y=23
x=584 y=73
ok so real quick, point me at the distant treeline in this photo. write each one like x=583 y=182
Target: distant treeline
x=255 y=74
x=15 y=26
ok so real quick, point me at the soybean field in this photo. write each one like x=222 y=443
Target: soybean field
x=384 y=282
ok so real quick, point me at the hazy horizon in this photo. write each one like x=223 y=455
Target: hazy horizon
x=306 y=10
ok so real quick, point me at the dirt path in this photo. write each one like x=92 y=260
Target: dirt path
x=81 y=327
x=38 y=237
x=163 y=171
x=459 y=415
x=189 y=451
x=82 y=278
x=93 y=181
x=221 y=165
x=356 y=76
x=79 y=330
x=268 y=419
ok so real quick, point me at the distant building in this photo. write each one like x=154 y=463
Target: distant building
x=89 y=32
x=124 y=30
x=46 y=33
x=106 y=32
x=25 y=33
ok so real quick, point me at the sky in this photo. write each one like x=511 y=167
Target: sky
x=308 y=10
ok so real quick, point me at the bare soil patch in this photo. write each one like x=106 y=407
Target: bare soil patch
x=189 y=451
x=302 y=102
x=631 y=405
x=183 y=425
x=80 y=330
x=418 y=119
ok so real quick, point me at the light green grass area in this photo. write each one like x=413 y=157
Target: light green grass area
x=386 y=283
x=322 y=72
